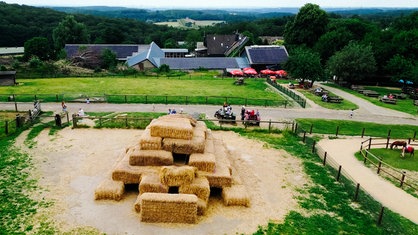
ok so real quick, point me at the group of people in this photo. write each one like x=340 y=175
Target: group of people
x=80 y=112
x=173 y=111
x=390 y=96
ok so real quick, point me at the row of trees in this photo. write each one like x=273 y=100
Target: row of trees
x=352 y=49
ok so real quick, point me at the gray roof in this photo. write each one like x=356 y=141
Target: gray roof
x=178 y=50
x=152 y=54
x=200 y=62
x=11 y=50
x=266 y=54
x=122 y=51
x=7 y=72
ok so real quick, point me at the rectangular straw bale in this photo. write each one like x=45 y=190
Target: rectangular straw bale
x=150 y=158
x=150 y=183
x=203 y=161
x=148 y=142
x=221 y=154
x=236 y=178
x=176 y=128
x=128 y=174
x=202 y=205
x=220 y=178
x=200 y=130
x=137 y=204
x=181 y=146
x=179 y=116
x=168 y=208
x=236 y=195
x=177 y=175
x=109 y=189
x=209 y=146
x=199 y=187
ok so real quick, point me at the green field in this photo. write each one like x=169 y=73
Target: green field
x=197 y=89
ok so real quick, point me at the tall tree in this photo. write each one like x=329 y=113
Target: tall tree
x=303 y=63
x=306 y=28
x=69 y=31
x=39 y=47
x=353 y=63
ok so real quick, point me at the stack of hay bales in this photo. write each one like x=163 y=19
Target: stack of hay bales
x=150 y=164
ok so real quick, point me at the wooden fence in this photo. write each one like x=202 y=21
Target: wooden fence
x=144 y=99
x=297 y=98
x=21 y=120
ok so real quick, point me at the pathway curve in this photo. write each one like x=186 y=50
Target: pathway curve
x=380 y=189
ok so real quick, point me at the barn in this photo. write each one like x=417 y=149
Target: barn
x=7 y=78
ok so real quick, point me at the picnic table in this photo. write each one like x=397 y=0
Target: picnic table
x=356 y=88
x=401 y=96
x=334 y=99
x=388 y=100
x=370 y=93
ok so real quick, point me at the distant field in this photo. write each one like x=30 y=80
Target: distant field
x=189 y=23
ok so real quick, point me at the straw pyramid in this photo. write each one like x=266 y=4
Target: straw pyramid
x=166 y=186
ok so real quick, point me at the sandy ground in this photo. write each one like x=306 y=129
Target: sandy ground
x=71 y=163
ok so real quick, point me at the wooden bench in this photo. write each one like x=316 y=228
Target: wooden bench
x=401 y=96
x=388 y=100
x=370 y=93
x=334 y=99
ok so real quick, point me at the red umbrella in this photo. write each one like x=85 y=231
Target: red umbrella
x=250 y=71
x=281 y=73
x=236 y=72
x=267 y=72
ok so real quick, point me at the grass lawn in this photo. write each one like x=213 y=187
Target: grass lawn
x=68 y=88
x=405 y=105
x=354 y=128
x=392 y=157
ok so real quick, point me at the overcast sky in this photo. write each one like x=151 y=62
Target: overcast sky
x=219 y=3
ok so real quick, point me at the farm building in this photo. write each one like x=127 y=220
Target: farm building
x=7 y=78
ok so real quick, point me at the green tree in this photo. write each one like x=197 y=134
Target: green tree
x=303 y=63
x=108 y=59
x=307 y=27
x=39 y=47
x=353 y=63
x=69 y=31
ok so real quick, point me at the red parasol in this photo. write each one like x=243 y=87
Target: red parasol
x=267 y=72
x=281 y=73
x=236 y=72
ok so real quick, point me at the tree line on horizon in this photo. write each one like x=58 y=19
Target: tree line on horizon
x=319 y=42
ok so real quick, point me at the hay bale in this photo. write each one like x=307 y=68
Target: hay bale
x=202 y=205
x=177 y=176
x=128 y=174
x=181 y=146
x=168 y=208
x=222 y=154
x=148 y=142
x=209 y=146
x=236 y=195
x=180 y=116
x=220 y=178
x=200 y=130
x=150 y=158
x=109 y=190
x=137 y=204
x=199 y=187
x=203 y=161
x=176 y=128
x=151 y=184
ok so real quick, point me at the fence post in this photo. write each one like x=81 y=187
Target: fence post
x=379 y=221
x=310 y=130
x=126 y=121
x=270 y=126
x=6 y=127
x=14 y=99
x=387 y=142
x=75 y=121
x=285 y=103
x=415 y=134
x=296 y=127
x=362 y=132
x=339 y=173
x=370 y=143
x=304 y=136
x=338 y=128
x=378 y=168
x=409 y=140
x=365 y=157
x=126 y=100
x=357 y=191
x=146 y=99
x=100 y=121
x=325 y=159
x=68 y=118
x=402 y=179
x=313 y=147
x=166 y=99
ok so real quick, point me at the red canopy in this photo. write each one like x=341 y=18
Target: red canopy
x=268 y=72
x=281 y=73
x=250 y=71
x=236 y=72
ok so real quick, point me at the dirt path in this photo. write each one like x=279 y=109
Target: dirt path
x=392 y=197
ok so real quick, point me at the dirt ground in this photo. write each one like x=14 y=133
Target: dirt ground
x=71 y=163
